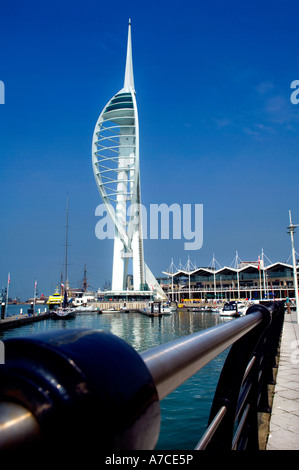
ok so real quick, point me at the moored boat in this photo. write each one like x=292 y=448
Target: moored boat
x=233 y=309
x=111 y=310
x=55 y=300
x=159 y=308
x=65 y=311
x=85 y=309
x=168 y=309
x=216 y=309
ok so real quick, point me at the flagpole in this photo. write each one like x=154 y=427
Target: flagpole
x=264 y=275
x=35 y=284
x=259 y=270
x=7 y=289
x=291 y=229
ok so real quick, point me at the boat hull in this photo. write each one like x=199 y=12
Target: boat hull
x=88 y=309
x=233 y=310
x=64 y=313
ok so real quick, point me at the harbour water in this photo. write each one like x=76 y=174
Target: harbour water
x=185 y=411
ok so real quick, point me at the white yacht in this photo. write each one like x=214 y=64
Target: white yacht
x=233 y=309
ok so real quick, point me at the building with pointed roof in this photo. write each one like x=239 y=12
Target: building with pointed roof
x=250 y=280
x=115 y=161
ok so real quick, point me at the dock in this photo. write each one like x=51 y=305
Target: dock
x=22 y=319
x=152 y=314
x=128 y=307
x=121 y=306
x=284 y=419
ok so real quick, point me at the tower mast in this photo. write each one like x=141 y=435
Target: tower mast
x=115 y=159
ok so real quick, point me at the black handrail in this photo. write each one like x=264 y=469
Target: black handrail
x=59 y=383
x=243 y=384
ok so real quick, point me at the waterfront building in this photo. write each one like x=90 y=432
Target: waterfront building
x=115 y=161
x=249 y=280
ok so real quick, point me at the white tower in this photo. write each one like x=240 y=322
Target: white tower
x=115 y=161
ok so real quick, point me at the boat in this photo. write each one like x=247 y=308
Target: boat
x=111 y=310
x=158 y=308
x=82 y=299
x=216 y=309
x=233 y=309
x=85 y=309
x=3 y=300
x=194 y=309
x=64 y=311
x=168 y=309
x=55 y=300
x=208 y=308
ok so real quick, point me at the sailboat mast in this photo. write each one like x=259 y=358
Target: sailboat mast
x=66 y=239
x=85 y=280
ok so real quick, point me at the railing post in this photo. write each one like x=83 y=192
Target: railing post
x=271 y=351
x=231 y=382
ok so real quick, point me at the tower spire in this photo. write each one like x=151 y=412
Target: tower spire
x=129 y=77
x=115 y=149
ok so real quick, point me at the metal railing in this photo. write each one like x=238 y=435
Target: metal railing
x=58 y=384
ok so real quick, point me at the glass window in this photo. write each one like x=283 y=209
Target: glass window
x=118 y=106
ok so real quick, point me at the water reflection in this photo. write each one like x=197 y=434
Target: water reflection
x=185 y=411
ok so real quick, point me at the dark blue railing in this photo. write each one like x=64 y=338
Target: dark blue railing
x=64 y=383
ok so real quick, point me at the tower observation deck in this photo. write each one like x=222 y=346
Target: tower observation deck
x=115 y=162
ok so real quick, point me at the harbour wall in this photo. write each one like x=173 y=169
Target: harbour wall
x=22 y=319
x=132 y=306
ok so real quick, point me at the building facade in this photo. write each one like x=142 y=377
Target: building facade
x=248 y=281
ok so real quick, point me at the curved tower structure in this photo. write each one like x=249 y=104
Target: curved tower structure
x=115 y=161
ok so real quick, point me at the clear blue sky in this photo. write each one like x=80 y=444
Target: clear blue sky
x=217 y=128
